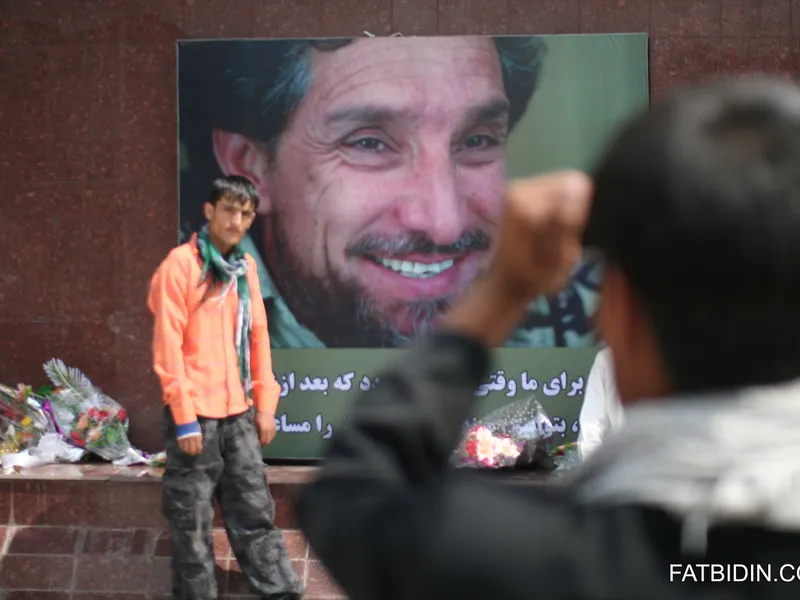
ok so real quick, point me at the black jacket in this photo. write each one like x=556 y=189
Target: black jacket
x=390 y=519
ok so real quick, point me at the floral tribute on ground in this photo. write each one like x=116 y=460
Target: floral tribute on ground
x=518 y=436
x=64 y=422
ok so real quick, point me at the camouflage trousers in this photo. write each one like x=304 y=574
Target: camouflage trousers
x=230 y=469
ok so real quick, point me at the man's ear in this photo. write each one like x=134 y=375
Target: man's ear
x=611 y=320
x=635 y=339
x=621 y=312
x=238 y=155
x=208 y=210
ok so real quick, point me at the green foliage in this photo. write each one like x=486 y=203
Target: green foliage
x=69 y=378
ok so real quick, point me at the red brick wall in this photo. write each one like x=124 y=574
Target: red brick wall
x=98 y=540
x=88 y=164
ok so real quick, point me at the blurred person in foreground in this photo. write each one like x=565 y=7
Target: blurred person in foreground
x=601 y=411
x=695 y=209
x=211 y=351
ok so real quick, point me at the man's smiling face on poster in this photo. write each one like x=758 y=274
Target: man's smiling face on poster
x=382 y=198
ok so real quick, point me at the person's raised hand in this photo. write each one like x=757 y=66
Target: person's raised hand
x=540 y=237
x=538 y=248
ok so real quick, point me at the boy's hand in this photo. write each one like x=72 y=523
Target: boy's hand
x=192 y=444
x=265 y=425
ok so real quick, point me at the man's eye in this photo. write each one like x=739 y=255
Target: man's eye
x=369 y=144
x=480 y=141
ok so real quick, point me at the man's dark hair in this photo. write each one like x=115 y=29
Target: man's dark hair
x=252 y=87
x=255 y=93
x=698 y=204
x=234 y=187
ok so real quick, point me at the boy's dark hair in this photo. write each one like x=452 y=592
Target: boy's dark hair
x=698 y=204
x=236 y=188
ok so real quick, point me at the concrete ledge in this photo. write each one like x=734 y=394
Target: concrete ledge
x=108 y=472
x=277 y=476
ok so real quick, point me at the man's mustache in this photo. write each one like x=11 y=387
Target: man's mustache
x=418 y=242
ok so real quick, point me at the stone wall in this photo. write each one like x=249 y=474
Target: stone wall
x=89 y=101
x=96 y=533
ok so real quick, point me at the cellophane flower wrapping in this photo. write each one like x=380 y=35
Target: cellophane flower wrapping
x=24 y=419
x=509 y=437
x=567 y=457
x=89 y=419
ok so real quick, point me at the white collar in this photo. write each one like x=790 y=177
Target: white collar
x=707 y=460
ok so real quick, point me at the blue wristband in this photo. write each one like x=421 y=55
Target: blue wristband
x=188 y=430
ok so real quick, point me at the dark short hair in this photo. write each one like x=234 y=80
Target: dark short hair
x=251 y=87
x=697 y=204
x=254 y=93
x=276 y=98
x=234 y=187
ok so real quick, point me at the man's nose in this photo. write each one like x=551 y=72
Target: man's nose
x=431 y=200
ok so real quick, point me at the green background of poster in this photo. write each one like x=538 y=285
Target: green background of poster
x=590 y=84
x=558 y=374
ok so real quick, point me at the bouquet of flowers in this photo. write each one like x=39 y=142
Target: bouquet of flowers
x=516 y=436
x=24 y=419
x=89 y=419
x=29 y=435
x=566 y=457
x=565 y=450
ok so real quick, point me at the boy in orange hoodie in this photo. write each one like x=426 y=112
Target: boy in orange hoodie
x=211 y=352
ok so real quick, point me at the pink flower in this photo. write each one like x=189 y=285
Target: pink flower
x=485 y=443
x=488 y=449
x=507 y=447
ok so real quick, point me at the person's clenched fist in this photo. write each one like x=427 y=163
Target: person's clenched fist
x=540 y=237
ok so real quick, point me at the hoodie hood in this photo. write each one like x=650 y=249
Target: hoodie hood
x=707 y=460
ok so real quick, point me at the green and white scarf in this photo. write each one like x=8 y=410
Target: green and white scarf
x=228 y=273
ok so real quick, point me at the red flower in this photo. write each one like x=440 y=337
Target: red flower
x=122 y=415
x=93 y=413
x=76 y=437
x=472 y=448
x=102 y=415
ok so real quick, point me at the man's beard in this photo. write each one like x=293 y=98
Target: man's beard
x=339 y=312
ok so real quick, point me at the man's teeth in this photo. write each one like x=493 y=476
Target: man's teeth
x=415 y=270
